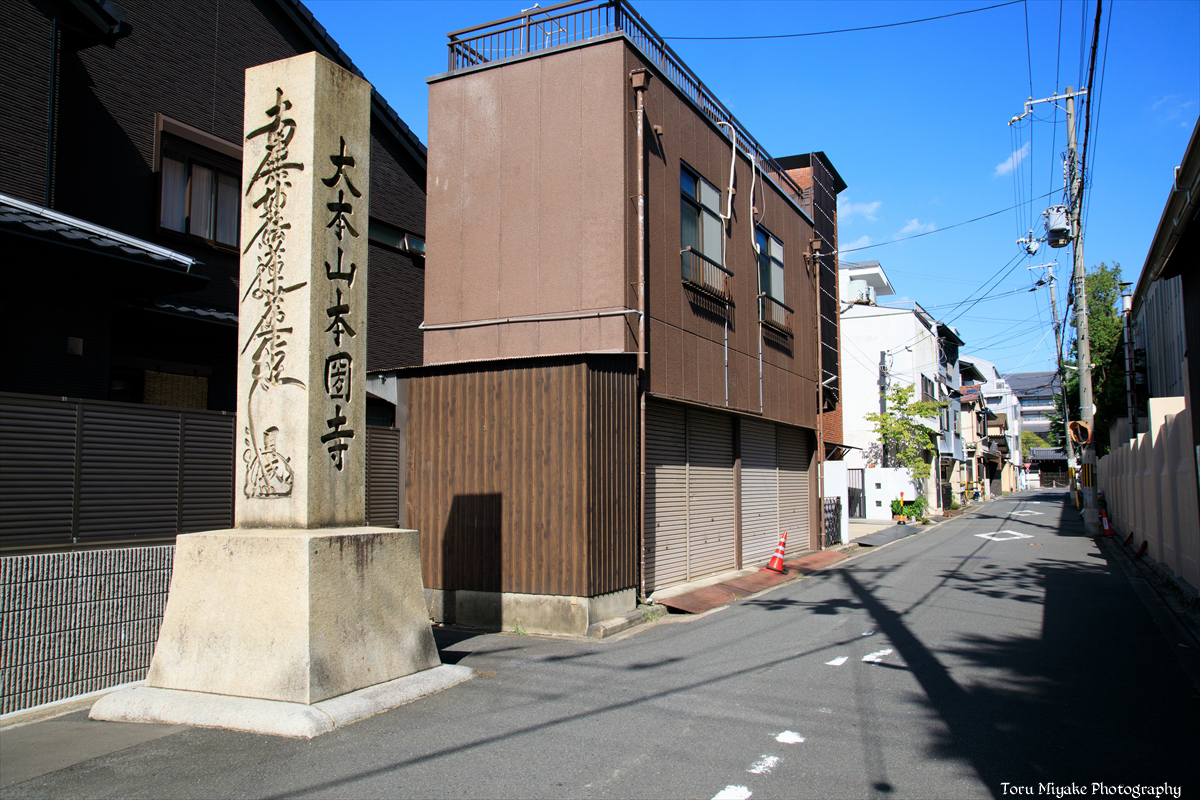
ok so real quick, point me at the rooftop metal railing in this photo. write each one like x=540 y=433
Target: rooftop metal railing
x=579 y=20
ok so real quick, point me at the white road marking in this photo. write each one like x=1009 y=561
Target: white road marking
x=764 y=765
x=1027 y=513
x=733 y=793
x=877 y=656
x=825 y=710
x=869 y=633
x=837 y=662
x=789 y=737
x=1004 y=536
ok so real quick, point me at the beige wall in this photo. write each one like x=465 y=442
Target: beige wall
x=526 y=206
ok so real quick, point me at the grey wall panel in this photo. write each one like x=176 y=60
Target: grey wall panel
x=793 y=458
x=666 y=557
x=711 y=522
x=760 y=489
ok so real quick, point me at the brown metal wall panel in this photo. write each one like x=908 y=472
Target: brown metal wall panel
x=613 y=473
x=383 y=477
x=129 y=472
x=505 y=478
x=792 y=454
x=759 y=492
x=37 y=470
x=666 y=496
x=711 y=523
x=206 y=499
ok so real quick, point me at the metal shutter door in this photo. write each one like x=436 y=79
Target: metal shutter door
x=666 y=497
x=129 y=473
x=792 y=448
x=383 y=477
x=760 y=491
x=711 y=521
x=208 y=454
x=38 y=470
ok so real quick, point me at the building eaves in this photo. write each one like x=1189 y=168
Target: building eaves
x=802 y=160
x=55 y=227
x=328 y=47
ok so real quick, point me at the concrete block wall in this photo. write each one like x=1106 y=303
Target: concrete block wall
x=78 y=622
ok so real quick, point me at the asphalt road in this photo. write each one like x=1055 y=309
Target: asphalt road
x=998 y=654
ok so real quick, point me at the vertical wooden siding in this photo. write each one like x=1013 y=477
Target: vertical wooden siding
x=521 y=477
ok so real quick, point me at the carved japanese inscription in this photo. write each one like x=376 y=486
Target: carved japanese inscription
x=268 y=472
x=302 y=320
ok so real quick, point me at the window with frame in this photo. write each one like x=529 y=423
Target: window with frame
x=199 y=187
x=199 y=199
x=702 y=234
x=772 y=309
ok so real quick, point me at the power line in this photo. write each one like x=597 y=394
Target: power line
x=939 y=230
x=841 y=30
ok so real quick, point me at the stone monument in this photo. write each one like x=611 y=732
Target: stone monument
x=299 y=619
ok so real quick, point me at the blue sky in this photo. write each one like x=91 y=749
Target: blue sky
x=915 y=119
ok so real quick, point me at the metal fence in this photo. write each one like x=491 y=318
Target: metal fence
x=86 y=471
x=832 y=532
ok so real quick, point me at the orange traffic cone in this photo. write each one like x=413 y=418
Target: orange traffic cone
x=776 y=562
x=1107 y=529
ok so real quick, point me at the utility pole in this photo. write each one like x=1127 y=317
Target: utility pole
x=883 y=396
x=1130 y=396
x=1083 y=341
x=1087 y=407
x=1062 y=383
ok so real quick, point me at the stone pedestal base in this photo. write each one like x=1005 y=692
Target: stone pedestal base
x=296 y=616
x=147 y=704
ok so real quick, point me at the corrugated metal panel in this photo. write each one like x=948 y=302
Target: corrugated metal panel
x=793 y=459
x=37 y=467
x=666 y=560
x=711 y=522
x=111 y=470
x=613 y=474
x=129 y=473
x=383 y=477
x=206 y=499
x=501 y=481
x=760 y=491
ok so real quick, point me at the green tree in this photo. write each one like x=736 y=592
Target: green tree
x=1030 y=440
x=906 y=440
x=1106 y=330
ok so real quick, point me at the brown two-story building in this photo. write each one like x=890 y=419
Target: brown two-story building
x=622 y=377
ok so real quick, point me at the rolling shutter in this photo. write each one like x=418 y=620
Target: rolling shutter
x=711 y=521
x=793 y=460
x=666 y=497
x=760 y=489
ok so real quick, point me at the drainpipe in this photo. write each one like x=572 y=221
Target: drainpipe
x=815 y=245
x=639 y=78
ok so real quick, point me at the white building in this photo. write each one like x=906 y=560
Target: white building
x=888 y=341
x=1005 y=430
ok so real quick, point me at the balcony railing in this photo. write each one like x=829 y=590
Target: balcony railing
x=706 y=275
x=577 y=21
x=775 y=314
